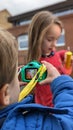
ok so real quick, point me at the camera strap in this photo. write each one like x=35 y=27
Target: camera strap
x=30 y=86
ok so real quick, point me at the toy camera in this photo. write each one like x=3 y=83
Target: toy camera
x=28 y=71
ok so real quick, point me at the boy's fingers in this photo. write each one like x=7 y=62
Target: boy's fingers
x=22 y=83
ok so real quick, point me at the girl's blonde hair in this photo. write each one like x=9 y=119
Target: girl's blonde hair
x=8 y=57
x=37 y=30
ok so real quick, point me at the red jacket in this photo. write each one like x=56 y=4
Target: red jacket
x=43 y=94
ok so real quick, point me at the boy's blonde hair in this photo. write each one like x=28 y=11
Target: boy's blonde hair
x=39 y=26
x=8 y=57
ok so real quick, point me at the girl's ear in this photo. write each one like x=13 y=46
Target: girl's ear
x=4 y=95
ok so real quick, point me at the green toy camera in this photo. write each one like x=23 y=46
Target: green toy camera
x=28 y=72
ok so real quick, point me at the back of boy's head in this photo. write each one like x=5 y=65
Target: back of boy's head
x=39 y=26
x=8 y=57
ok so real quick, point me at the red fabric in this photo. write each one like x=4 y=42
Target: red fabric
x=43 y=94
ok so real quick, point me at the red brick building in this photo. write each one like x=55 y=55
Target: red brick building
x=21 y=22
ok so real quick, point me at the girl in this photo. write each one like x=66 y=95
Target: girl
x=44 y=31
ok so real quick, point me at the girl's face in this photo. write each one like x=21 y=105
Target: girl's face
x=50 y=39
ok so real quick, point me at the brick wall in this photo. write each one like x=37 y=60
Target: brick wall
x=68 y=25
x=22 y=57
x=18 y=30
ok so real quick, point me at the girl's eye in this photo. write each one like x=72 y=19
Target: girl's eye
x=49 y=40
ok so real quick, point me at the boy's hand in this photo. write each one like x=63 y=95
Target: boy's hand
x=52 y=73
x=21 y=83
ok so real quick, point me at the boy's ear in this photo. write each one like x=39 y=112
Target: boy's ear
x=4 y=95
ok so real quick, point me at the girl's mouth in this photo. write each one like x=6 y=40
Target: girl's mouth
x=50 y=49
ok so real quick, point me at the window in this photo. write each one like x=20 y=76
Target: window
x=25 y=22
x=23 y=42
x=61 y=40
x=66 y=12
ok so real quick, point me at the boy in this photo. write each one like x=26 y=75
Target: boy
x=26 y=115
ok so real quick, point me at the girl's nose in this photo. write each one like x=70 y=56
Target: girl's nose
x=54 y=43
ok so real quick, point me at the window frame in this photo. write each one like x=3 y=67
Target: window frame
x=22 y=39
x=62 y=43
